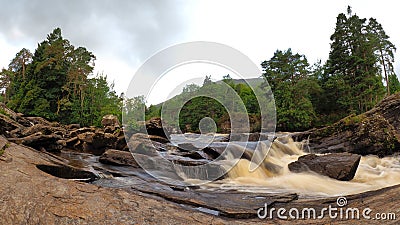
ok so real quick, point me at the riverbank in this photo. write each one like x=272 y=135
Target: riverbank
x=31 y=196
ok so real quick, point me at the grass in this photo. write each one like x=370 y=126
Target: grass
x=7 y=145
x=353 y=119
x=2 y=111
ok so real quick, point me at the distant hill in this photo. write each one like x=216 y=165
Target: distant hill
x=251 y=81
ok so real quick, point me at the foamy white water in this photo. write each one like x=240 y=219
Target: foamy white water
x=274 y=176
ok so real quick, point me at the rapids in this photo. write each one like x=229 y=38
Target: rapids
x=273 y=175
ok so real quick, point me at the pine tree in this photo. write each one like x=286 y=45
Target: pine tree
x=352 y=81
x=290 y=79
x=54 y=83
x=384 y=49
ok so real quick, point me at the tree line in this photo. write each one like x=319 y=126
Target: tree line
x=358 y=74
x=56 y=82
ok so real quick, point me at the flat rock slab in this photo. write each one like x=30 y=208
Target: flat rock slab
x=31 y=196
x=340 y=166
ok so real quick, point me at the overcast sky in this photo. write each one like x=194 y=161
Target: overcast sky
x=123 y=34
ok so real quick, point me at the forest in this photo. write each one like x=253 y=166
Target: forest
x=57 y=82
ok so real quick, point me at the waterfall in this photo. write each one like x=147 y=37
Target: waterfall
x=273 y=174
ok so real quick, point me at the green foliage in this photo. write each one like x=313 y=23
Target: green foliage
x=153 y=111
x=292 y=83
x=54 y=83
x=359 y=50
x=193 y=104
x=394 y=84
x=353 y=119
x=198 y=108
x=133 y=113
x=350 y=82
x=3 y=112
x=2 y=150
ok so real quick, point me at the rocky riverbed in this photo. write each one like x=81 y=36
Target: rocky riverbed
x=66 y=174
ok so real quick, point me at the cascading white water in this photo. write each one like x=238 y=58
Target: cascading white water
x=274 y=176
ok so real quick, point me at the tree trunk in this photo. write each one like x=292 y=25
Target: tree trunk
x=384 y=70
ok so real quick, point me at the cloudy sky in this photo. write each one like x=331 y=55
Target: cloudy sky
x=123 y=34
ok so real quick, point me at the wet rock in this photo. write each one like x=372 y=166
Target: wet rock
x=187 y=147
x=248 y=136
x=154 y=127
x=39 y=141
x=225 y=203
x=94 y=143
x=37 y=120
x=44 y=129
x=72 y=126
x=215 y=150
x=68 y=172
x=110 y=129
x=197 y=155
x=110 y=120
x=71 y=142
x=155 y=138
x=340 y=166
x=76 y=132
x=104 y=140
x=143 y=144
x=86 y=137
x=121 y=144
x=118 y=158
x=7 y=125
x=31 y=196
x=145 y=148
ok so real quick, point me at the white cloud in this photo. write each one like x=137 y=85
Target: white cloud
x=123 y=34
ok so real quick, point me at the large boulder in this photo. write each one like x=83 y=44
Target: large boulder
x=118 y=158
x=103 y=140
x=92 y=142
x=154 y=127
x=215 y=150
x=76 y=132
x=86 y=137
x=340 y=166
x=121 y=143
x=374 y=132
x=142 y=144
x=44 y=129
x=39 y=141
x=389 y=108
x=8 y=125
x=257 y=136
x=110 y=120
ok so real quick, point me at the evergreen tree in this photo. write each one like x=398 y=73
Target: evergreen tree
x=352 y=82
x=290 y=79
x=54 y=83
x=384 y=49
